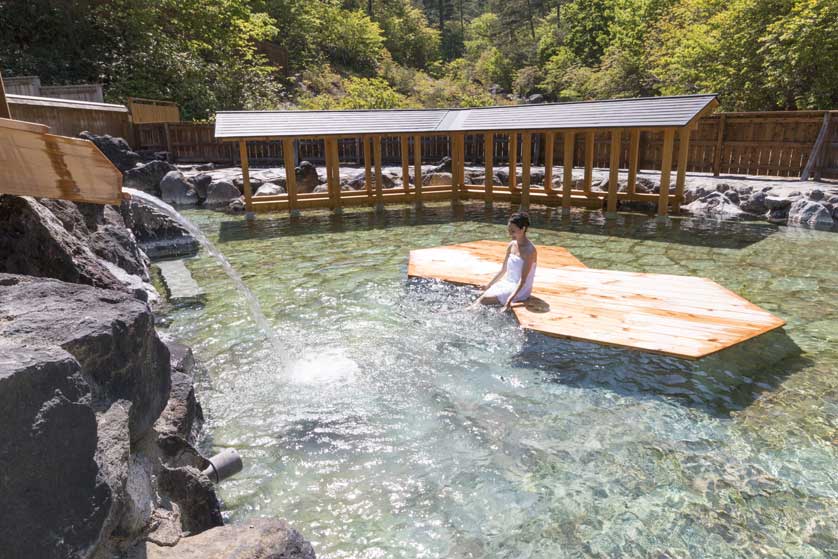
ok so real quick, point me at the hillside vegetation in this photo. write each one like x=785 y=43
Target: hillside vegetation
x=260 y=54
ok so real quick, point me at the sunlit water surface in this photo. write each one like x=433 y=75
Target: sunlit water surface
x=406 y=426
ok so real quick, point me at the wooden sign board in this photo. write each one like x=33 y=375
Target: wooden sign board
x=36 y=163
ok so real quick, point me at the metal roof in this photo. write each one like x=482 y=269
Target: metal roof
x=613 y=113
x=69 y=103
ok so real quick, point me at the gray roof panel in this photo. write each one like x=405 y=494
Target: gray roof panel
x=613 y=113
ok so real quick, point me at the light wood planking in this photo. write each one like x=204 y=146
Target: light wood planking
x=682 y=316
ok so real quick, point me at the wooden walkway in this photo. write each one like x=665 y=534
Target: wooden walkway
x=682 y=316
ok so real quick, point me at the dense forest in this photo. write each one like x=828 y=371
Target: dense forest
x=209 y=55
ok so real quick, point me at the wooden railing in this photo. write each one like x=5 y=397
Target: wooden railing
x=765 y=143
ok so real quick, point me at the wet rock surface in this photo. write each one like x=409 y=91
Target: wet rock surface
x=158 y=234
x=147 y=177
x=115 y=149
x=175 y=189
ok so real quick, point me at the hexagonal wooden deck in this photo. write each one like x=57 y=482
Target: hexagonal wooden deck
x=683 y=316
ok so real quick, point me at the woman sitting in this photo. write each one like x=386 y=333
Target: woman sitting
x=513 y=283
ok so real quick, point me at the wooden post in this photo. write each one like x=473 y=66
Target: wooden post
x=513 y=161
x=681 y=176
x=567 y=167
x=379 y=194
x=488 y=165
x=613 y=173
x=417 y=167
x=666 y=169
x=526 y=158
x=336 y=203
x=367 y=167
x=457 y=165
x=290 y=174
x=4 y=105
x=634 y=153
x=589 y=161
x=248 y=195
x=405 y=147
x=549 y=145
x=330 y=171
x=717 y=152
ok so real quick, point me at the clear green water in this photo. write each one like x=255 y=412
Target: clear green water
x=396 y=424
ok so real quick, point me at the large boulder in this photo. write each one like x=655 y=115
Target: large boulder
x=115 y=149
x=714 y=204
x=269 y=189
x=176 y=189
x=201 y=184
x=754 y=204
x=221 y=193
x=147 y=177
x=437 y=179
x=158 y=233
x=307 y=177
x=110 y=333
x=810 y=212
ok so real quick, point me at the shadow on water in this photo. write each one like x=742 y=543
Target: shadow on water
x=718 y=384
x=680 y=230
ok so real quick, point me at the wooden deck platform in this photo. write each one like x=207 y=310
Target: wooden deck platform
x=682 y=316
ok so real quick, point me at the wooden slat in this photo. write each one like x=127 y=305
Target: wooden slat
x=488 y=166
x=634 y=151
x=549 y=148
x=405 y=145
x=589 y=161
x=513 y=161
x=526 y=155
x=666 y=169
x=613 y=170
x=290 y=172
x=248 y=194
x=379 y=180
x=367 y=165
x=417 y=167
x=567 y=167
x=719 y=149
x=681 y=176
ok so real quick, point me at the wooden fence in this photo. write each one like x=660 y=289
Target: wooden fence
x=149 y=111
x=67 y=117
x=760 y=143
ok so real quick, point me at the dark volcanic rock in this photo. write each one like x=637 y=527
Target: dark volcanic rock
x=147 y=177
x=115 y=149
x=221 y=193
x=201 y=183
x=158 y=234
x=175 y=189
x=755 y=204
x=110 y=334
x=808 y=212
x=307 y=177
x=194 y=494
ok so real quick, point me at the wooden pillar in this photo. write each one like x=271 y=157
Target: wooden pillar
x=526 y=158
x=4 y=105
x=567 y=167
x=589 y=162
x=290 y=174
x=613 y=173
x=336 y=175
x=248 y=195
x=331 y=181
x=717 y=152
x=405 y=148
x=367 y=167
x=461 y=172
x=680 y=178
x=379 y=194
x=513 y=161
x=666 y=169
x=417 y=167
x=489 y=165
x=634 y=152
x=549 y=145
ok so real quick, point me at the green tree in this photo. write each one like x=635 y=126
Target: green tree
x=588 y=23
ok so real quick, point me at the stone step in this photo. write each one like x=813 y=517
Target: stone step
x=178 y=281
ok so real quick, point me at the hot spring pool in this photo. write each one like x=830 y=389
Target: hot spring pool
x=393 y=423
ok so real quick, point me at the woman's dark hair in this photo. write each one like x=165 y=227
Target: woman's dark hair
x=521 y=219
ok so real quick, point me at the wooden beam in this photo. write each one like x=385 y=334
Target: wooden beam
x=417 y=167
x=589 y=161
x=330 y=171
x=405 y=148
x=336 y=174
x=367 y=166
x=666 y=170
x=379 y=183
x=290 y=173
x=488 y=164
x=4 y=105
x=549 y=147
x=717 y=151
x=634 y=154
x=457 y=164
x=567 y=167
x=248 y=195
x=526 y=159
x=513 y=160
x=814 y=155
x=681 y=176
x=613 y=171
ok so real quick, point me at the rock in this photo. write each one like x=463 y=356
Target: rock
x=755 y=204
x=200 y=183
x=115 y=149
x=158 y=234
x=237 y=205
x=194 y=494
x=205 y=167
x=714 y=204
x=147 y=177
x=260 y=538
x=437 y=178
x=817 y=195
x=535 y=98
x=775 y=203
x=442 y=166
x=321 y=188
x=221 y=193
x=358 y=181
x=643 y=185
x=808 y=212
x=733 y=196
x=722 y=187
x=55 y=504
x=175 y=189
x=779 y=214
x=255 y=183
x=110 y=334
x=269 y=189
x=307 y=177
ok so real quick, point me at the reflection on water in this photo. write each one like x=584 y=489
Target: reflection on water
x=405 y=426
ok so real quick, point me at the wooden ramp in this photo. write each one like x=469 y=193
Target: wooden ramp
x=683 y=316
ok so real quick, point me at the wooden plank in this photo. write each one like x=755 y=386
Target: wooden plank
x=513 y=161
x=567 y=167
x=367 y=166
x=589 y=161
x=717 y=152
x=613 y=170
x=666 y=170
x=814 y=155
x=549 y=148
x=379 y=187
x=248 y=195
x=405 y=145
x=681 y=176
x=634 y=152
x=526 y=155
x=290 y=172
x=488 y=164
x=336 y=194
x=417 y=167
